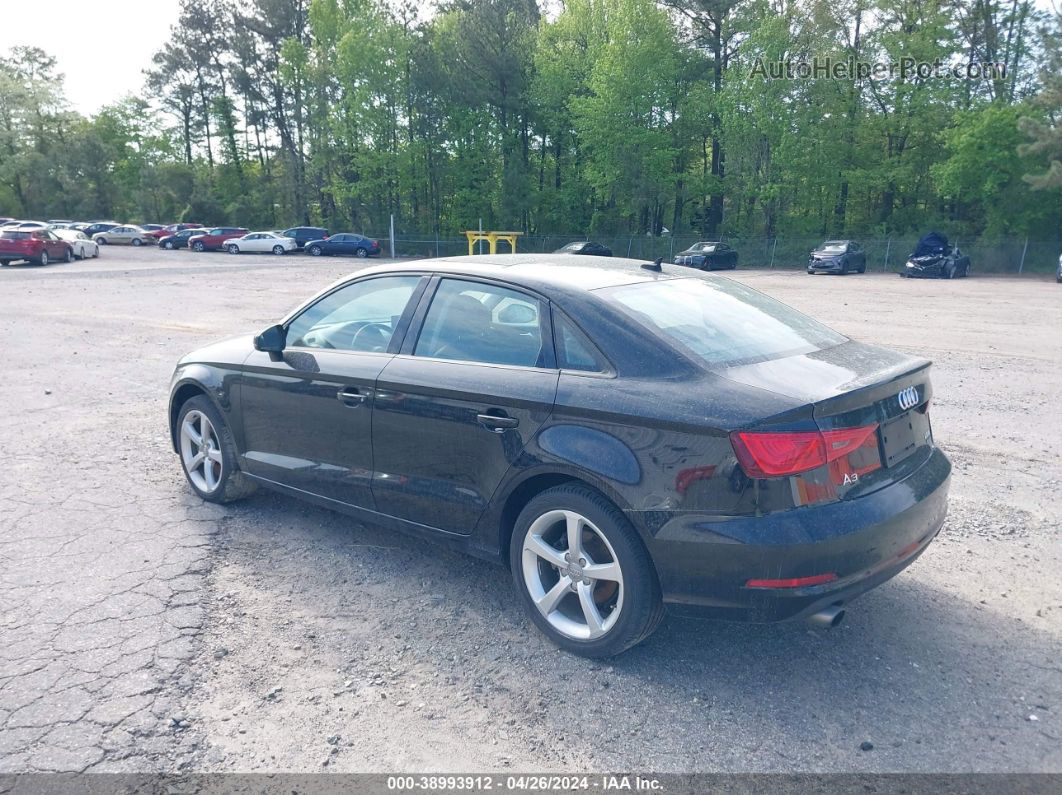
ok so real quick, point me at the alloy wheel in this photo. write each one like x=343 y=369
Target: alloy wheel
x=572 y=574
x=278 y=250
x=44 y=258
x=201 y=451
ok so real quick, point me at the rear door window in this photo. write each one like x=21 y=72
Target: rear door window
x=479 y=322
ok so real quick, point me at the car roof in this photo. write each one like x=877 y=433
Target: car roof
x=540 y=271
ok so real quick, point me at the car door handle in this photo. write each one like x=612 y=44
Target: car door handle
x=496 y=423
x=349 y=396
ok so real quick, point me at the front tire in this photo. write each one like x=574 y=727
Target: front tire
x=198 y=246
x=583 y=574
x=234 y=249
x=168 y=245
x=43 y=260
x=315 y=251
x=208 y=453
x=101 y=241
x=68 y=255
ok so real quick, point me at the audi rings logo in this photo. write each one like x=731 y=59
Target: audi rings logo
x=908 y=398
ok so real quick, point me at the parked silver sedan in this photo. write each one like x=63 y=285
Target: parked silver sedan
x=129 y=235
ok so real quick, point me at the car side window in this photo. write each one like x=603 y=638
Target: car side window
x=574 y=350
x=358 y=317
x=479 y=322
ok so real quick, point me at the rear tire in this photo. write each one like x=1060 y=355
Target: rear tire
x=278 y=250
x=592 y=616
x=224 y=482
x=5 y=262
x=137 y=242
x=362 y=253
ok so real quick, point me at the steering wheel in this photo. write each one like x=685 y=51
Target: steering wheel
x=381 y=330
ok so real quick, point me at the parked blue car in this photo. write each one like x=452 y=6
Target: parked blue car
x=344 y=244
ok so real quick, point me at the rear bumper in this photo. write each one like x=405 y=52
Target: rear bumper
x=704 y=562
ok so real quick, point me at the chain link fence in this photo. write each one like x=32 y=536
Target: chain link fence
x=1012 y=255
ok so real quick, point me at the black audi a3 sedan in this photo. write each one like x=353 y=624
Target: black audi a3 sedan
x=619 y=434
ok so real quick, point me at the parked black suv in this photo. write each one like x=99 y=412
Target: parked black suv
x=304 y=234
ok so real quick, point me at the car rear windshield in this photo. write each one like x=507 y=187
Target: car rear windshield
x=721 y=322
x=12 y=235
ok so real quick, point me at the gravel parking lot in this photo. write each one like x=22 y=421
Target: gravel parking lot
x=142 y=629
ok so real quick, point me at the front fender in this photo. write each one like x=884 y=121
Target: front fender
x=195 y=378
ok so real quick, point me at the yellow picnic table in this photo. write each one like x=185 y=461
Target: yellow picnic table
x=492 y=239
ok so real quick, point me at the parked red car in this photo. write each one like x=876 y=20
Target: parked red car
x=33 y=245
x=173 y=229
x=214 y=239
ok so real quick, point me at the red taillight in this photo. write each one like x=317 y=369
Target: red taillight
x=376 y=244
x=772 y=454
x=792 y=582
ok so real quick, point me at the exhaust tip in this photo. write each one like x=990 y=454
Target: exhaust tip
x=828 y=617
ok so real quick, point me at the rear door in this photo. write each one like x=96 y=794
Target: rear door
x=475 y=380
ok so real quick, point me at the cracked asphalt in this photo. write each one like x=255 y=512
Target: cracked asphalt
x=144 y=630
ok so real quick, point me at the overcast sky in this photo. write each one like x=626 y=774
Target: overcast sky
x=103 y=46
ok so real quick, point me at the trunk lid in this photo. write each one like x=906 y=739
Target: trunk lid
x=854 y=385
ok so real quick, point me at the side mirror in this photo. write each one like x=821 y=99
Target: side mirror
x=272 y=340
x=517 y=314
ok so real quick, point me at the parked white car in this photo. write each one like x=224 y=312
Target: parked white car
x=261 y=243
x=83 y=246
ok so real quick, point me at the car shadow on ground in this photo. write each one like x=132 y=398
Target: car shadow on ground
x=913 y=667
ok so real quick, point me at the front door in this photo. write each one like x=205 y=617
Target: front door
x=306 y=413
x=454 y=411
